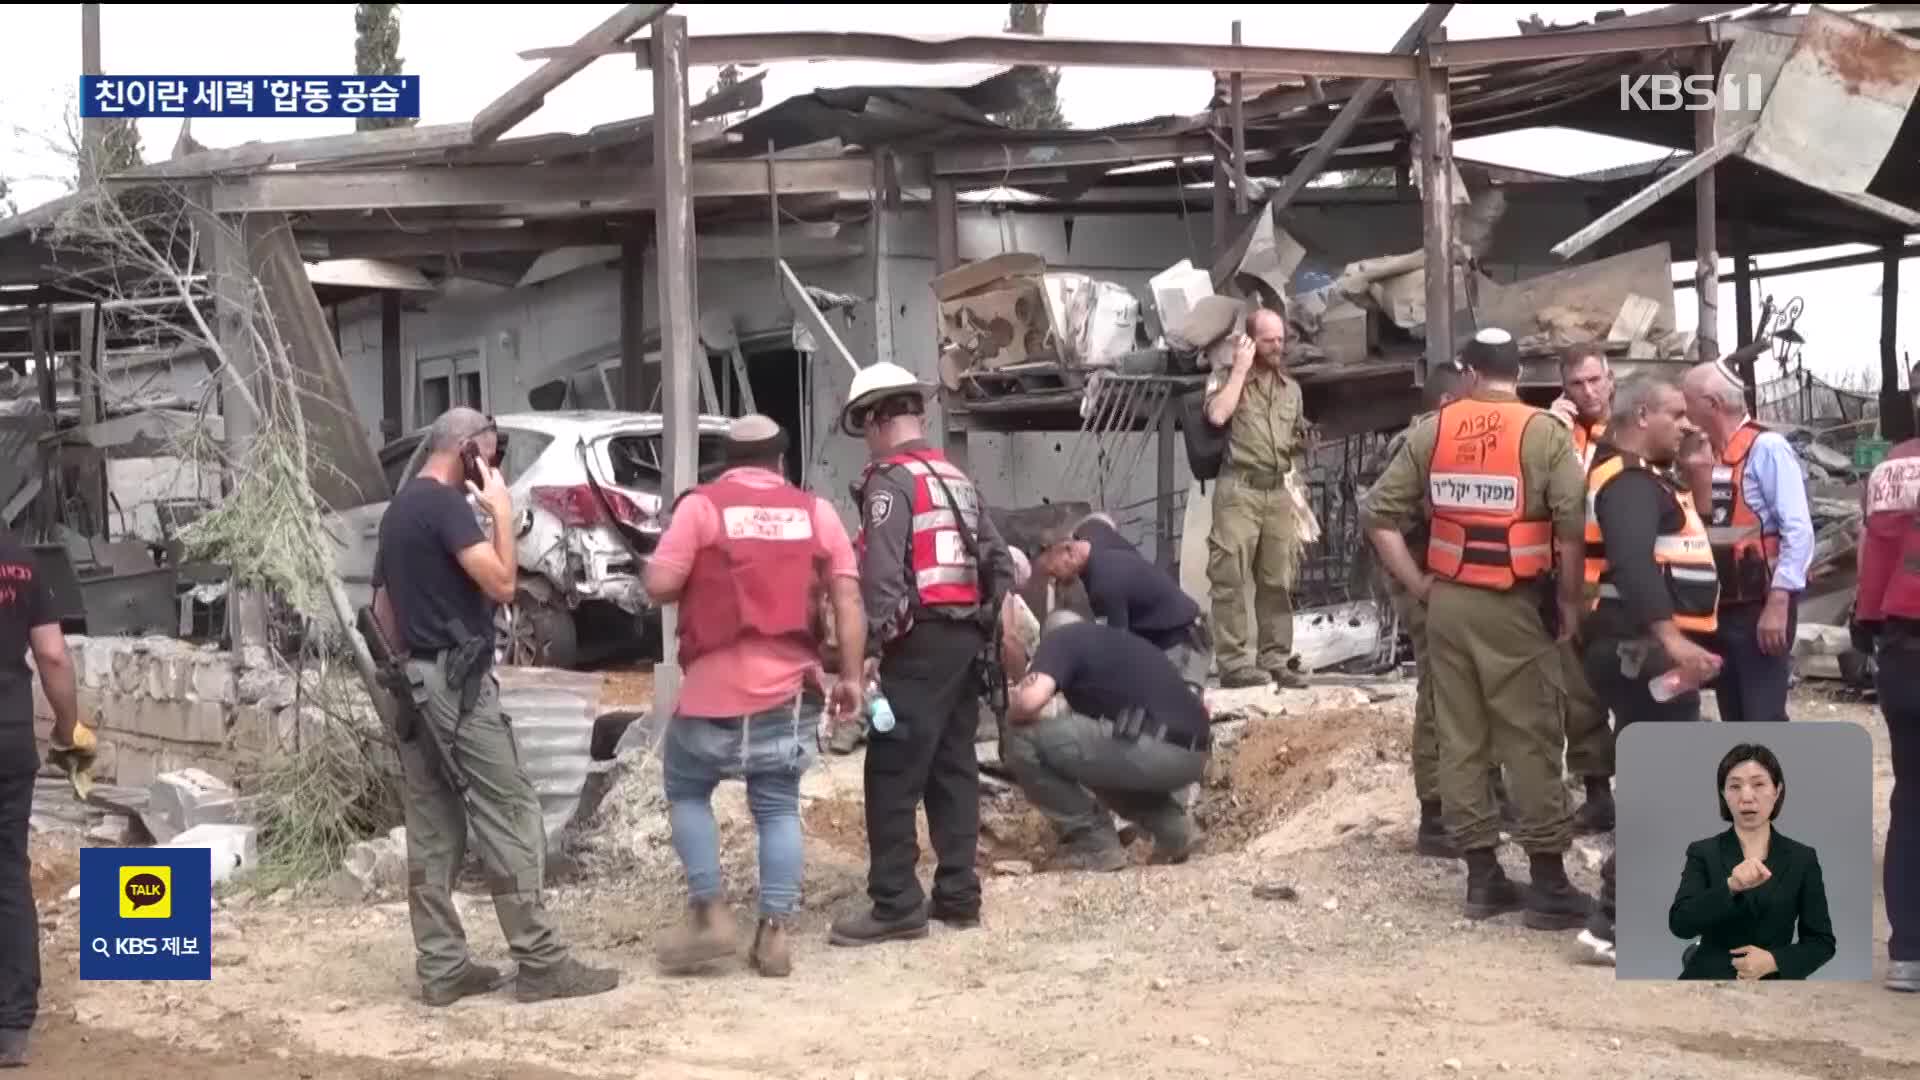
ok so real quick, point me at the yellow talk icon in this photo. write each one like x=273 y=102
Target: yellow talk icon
x=146 y=892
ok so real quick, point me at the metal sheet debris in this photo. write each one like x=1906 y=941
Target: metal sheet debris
x=1838 y=103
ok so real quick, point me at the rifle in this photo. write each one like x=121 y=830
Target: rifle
x=407 y=720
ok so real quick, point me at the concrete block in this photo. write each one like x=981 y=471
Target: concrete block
x=378 y=865
x=129 y=672
x=96 y=664
x=206 y=722
x=251 y=728
x=167 y=678
x=185 y=798
x=213 y=680
x=136 y=767
x=263 y=685
x=159 y=719
x=234 y=848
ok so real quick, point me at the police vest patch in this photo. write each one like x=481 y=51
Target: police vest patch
x=880 y=508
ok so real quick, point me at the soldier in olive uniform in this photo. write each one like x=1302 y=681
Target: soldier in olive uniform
x=1503 y=484
x=1255 y=540
x=1443 y=385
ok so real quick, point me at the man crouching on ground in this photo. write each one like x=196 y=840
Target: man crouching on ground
x=745 y=558
x=436 y=580
x=1130 y=736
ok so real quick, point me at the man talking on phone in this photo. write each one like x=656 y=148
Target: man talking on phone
x=437 y=578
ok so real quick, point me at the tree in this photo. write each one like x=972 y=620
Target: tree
x=7 y=206
x=119 y=146
x=1040 y=90
x=376 y=51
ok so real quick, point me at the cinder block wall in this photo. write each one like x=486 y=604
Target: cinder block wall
x=160 y=704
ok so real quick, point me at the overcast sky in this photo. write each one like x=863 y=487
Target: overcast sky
x=465 y=59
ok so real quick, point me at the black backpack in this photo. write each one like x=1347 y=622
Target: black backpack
x=1206 y=444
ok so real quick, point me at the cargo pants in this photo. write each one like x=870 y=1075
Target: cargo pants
x=1192 y=655
x=1253 y=547
x=501 y=817
x=1426 y=735
x=1073 y=768
x=1589 y=736
x=1498 y=690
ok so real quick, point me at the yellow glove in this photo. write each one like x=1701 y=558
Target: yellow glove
x=76 y=760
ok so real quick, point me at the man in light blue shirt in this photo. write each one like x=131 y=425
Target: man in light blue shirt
x=1762 y=533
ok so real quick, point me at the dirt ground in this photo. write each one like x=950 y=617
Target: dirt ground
x=1157 y=971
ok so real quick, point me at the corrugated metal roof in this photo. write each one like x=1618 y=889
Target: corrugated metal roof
x=553 y=713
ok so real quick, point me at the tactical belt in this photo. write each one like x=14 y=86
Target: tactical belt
x=1259 y=480
x=1201 y=743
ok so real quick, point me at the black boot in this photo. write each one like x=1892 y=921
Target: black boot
x=1432 y=839
x=1552 y=901
x=1596 y=814
x=1489 y=892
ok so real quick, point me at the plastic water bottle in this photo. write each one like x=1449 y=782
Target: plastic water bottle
x=1669 y=686
x=879 y=712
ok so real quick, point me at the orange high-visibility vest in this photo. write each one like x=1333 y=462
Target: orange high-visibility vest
x=1746 y=553
x=1586 y=440
x=1476 y=498
x=1685 y=557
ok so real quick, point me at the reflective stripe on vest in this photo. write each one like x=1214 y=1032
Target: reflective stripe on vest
x=1586 y=442
x=1746 y=553
x=1476 y=495
x=944 y=572
x=1685 y=558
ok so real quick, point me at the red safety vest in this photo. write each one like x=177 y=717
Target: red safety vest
x=760 y=577
x=944 y=572
x=1746 y=553
x=1477 y=495
x=1890 y=540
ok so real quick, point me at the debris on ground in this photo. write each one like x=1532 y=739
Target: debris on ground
x=373 y=868
x=1269 y=891
x=178 y=801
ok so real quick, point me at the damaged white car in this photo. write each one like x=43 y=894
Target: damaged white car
x=586 y=498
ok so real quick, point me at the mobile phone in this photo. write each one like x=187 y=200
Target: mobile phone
x=475 y=468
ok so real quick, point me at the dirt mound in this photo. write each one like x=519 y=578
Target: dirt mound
x=55 y=869
x=1280 y=766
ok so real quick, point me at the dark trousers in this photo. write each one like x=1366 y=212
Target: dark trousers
x=1630 y=701
x=19 y=921
x=929 y=680
x=1752 y=685
x=1899 y=685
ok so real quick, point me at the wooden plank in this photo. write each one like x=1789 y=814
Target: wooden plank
x=256 y=155
x=392 y=399
x=1706 y=223
x=1636 y=316
x=530 y=93
x=1236 y=111
x=1637 y=204
x=1012 y=49
x=1436 y=204
x=802 y=306
x=607 y=187
x=679 y=319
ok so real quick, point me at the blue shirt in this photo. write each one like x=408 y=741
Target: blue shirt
x=1777 y=490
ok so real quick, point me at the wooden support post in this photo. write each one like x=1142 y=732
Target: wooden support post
x=1706 y=247
x=1239 y=120
x=40 y=331
x=233 y=290
x=679 y=331
x=393 y=422
x=92 y=134
x=1222 y=216
x=946 y=256
x=86 y=381
x=638 y=382
x=1167 y=549
x=1896 y=405
x=1742 y=277
x=1436 y=201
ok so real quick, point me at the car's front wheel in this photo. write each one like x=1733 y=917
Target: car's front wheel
x=538 y=631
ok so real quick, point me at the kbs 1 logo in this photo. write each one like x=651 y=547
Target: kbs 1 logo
x=1692 y=93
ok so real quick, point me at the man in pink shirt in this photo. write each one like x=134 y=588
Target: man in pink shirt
x=746 y=557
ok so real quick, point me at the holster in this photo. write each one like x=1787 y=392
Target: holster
x=409 y=698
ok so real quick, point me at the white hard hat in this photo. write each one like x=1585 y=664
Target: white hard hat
x=872 y=383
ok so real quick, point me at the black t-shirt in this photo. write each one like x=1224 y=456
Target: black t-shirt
x=1103 y=671
x=1634 y=510
x=24 y=604
x=1131 y=593
x=425 y=528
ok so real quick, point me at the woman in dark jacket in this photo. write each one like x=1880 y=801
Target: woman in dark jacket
x=1746 y=891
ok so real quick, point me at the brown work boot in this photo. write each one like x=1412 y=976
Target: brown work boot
x=1433 y=840
x=772 y=954
x=1596 y=814
x=1243 y=678
x=1288 y=676
x=1552 y=901
x=706 y=936
x=475 y=979
x=1489 y=891
x=568 y=979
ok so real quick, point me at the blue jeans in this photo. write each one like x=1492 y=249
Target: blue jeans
x=770 y=751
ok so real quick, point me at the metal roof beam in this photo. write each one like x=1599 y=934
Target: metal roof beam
x=530 y=93
x=716 y=49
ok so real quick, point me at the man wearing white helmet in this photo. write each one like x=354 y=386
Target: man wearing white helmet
x=933 y=570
